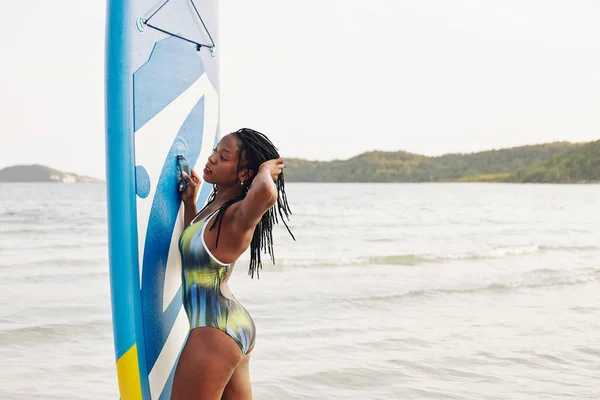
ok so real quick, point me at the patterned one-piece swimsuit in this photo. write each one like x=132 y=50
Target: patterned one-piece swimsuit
x=205 y=305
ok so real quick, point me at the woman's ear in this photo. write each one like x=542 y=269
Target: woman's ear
x=245 y=174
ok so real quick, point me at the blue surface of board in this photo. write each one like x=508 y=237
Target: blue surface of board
x=162 y=100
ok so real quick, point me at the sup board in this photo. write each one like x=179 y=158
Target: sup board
x=162 y=101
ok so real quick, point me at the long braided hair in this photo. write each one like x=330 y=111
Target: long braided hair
x=258 y=149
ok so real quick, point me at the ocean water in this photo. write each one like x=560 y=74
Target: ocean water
x=391 y=291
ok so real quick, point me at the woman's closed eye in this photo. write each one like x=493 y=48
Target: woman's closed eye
x=221 y=156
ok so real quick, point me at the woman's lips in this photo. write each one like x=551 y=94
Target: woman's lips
x=207 y=170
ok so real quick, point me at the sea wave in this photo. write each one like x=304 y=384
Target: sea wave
x=540 y=279
x=56 y=262
x=24 y=334
x=493 y=253
x=430 y=258
x=42 y=277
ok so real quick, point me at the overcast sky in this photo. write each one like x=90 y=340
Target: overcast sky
x=325 y=79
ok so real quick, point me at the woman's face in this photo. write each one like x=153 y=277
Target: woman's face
x=221 y=168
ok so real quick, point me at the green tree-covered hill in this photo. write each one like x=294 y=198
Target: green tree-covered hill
x=581 y=164
x=536 y=163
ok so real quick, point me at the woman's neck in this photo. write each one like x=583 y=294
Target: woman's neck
x=224 y=194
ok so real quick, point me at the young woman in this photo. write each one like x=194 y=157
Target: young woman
x=247 y=174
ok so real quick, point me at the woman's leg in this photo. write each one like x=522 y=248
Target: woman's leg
x=239 y=387
x=207 y=362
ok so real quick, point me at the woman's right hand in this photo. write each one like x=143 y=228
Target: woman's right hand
x=190 y=194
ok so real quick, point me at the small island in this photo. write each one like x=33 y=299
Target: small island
x=41 y=173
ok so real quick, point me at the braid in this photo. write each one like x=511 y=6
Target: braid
x=258 y=149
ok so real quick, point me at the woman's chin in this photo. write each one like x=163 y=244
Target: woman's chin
x=206 y=177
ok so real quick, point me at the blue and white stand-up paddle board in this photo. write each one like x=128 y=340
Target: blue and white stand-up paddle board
x=162 y=100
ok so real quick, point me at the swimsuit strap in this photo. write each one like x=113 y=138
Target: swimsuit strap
x=204 y=224
x=205 y=218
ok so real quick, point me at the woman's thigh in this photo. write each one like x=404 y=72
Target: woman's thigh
x=239 y=386
x=206 y=364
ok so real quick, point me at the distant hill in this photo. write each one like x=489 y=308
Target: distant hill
x=581 y=164
x=40 y=173
x=536 y=163
x=560 y=162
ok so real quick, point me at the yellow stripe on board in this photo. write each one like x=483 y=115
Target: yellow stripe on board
x=128 y=373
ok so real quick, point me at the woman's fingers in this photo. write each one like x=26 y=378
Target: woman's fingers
x=195 y=175
x=187 y=178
